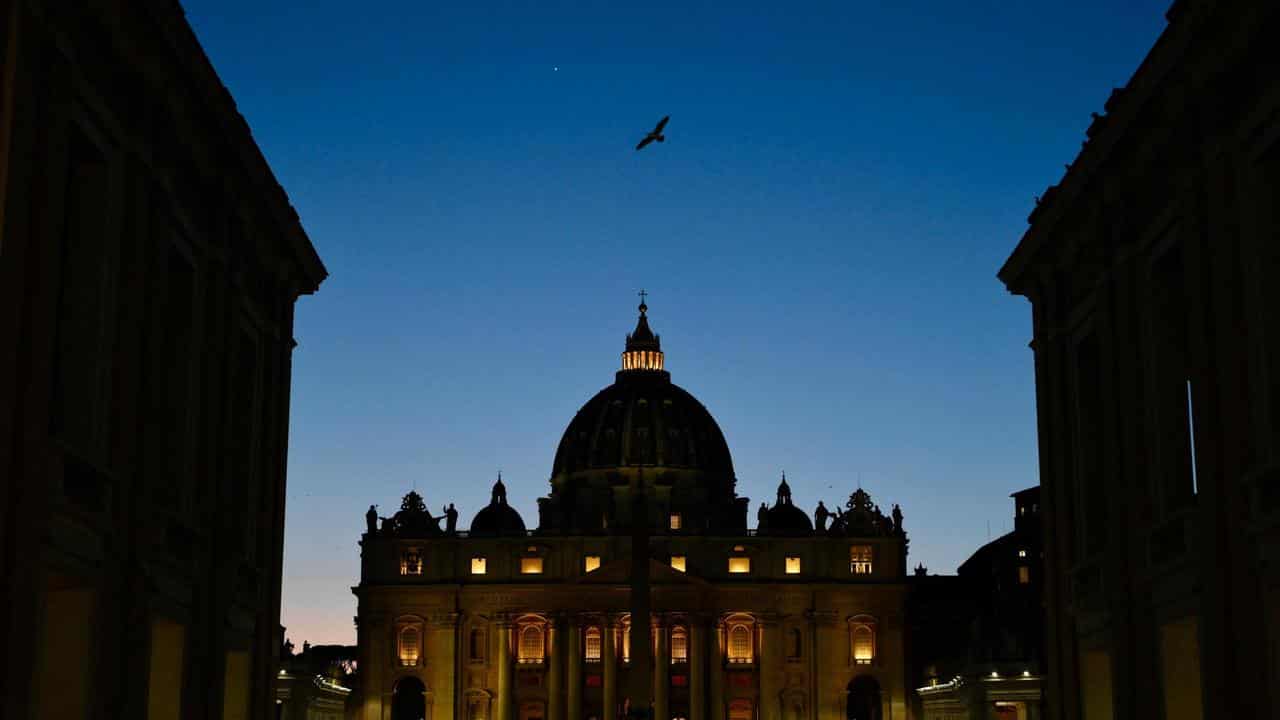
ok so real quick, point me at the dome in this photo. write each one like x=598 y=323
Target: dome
x=643 y=419
x=784 y=518
x=642 y=434
x=497 y=518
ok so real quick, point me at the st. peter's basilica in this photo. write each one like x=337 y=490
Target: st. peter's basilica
x=799 y=618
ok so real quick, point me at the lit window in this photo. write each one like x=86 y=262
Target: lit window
x=860 y=559
x=679 y=644
x=411 y=562
x=740 y=650
x=530 y=645
x=590 y=562
x=739 y=548
x=678 y=562
x=626 y=643
x=793 y=565
x=1022 y=553
x=1024 y=575
x=531 y=566
x=479 y=565
x=739 y=565
x=591 y=648
x=409 y=641
x=675 y=521
x=864 y=643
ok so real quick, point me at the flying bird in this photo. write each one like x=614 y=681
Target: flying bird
x=656 y=134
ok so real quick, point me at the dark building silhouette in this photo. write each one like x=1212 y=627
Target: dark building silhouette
x=149 y=265
x=978 y=636
x=783 y=621
x=1152 y=271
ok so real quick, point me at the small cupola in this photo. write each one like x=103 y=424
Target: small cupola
x=644 y=349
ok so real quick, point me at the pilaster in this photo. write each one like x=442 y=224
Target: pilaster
x=609 y=665
x=662 y=671
x=715 y=666
x=698 y=638
x=555 y=669
x=770 y=668
x=506 y=680
x=574 y=695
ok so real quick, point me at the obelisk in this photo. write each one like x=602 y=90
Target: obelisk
x=640 y=675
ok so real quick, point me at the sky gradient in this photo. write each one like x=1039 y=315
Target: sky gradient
x=819 y=236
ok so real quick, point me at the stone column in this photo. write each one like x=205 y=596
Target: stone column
x=506 y=679
x=609 y=665
x=443 y=660
x=770 y=668
x=555 y=670
x=662 y=672
x=821 y=700
x=574 y=646
x=715 y=666
x=698 y=668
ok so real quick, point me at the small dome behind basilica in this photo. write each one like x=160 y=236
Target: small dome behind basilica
x=498 y=518
x=784 y=518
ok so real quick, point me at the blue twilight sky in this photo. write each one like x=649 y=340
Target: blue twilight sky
x=819 y=234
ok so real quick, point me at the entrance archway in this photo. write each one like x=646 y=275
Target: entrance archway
x=863 y=699
x=408 y=700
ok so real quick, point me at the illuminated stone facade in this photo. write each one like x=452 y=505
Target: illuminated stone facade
x=149 y=266
x=780 y=622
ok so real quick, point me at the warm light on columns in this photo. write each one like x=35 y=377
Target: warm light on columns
x=642 y=360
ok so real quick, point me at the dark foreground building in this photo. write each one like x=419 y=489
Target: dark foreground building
x=1153 y=269
x=149 y=265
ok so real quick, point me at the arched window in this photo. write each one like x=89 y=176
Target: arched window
x=796 y=648
x=862 y=640
x=409 y=645
x=740 y=645
x=477 y=645
x=531 y=646
x=679 y=644
x=591 y=644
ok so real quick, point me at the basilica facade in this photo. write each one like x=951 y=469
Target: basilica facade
x=789 y=620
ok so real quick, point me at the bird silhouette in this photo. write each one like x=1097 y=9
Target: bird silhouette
x=656 y=134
